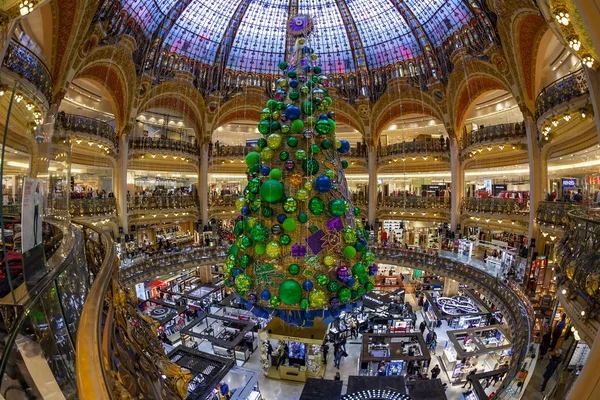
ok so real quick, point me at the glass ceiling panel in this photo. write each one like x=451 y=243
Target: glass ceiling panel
x=200 y=28
x=166 y=5
x=260 y=42
x=147 y=14
x=446 y=20
x=385 y=36
x=329 y=39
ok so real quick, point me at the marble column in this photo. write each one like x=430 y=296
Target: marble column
x=121 y=180
x=593 y=80
x=450 y=287
x=587 y=386
x=538 y=172
x=372 y=199
x=457 y=183
x=203 y=184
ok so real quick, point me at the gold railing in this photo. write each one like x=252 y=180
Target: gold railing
x=93 y=207
x=495 y=205
x=118 y=352
x=493 y=133
x=414 y=202
x=554 y=213
x=160 y=202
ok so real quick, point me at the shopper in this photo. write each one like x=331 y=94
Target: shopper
x=337 y=357
x=435 y=371
x=560 y=326
x=545 y=345
x=422 y=327
x=469 y=381
x=551 y=368
x=343 y=341
x=337 y=377
x=325 y=349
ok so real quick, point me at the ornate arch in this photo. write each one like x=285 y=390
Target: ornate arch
x=473 y=87
x=394 y=110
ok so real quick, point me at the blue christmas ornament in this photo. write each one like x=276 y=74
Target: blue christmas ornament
x=323 y=184
x=307 y=285
x=281 y=218
x=265 y=295
x=345 y=147
x=292 y=113
x=237 y=272
x=323 y=117
x=293 y=83
x=265 y=170
x=307 y=68
x=246 y=211
x=351 y=282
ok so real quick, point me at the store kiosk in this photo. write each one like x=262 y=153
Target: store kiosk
x=388 y=354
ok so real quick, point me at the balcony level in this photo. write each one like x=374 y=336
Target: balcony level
x=163 y=150
x=87 y=134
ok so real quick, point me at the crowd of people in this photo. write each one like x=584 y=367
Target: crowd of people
x=91 y=193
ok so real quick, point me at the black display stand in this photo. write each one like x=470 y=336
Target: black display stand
x=320 y=389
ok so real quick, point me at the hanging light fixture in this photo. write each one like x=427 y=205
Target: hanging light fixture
x=26 y=7
x=588 y=60
x=562 y=16
x=574 y=43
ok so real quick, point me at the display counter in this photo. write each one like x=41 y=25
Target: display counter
x=292 y=373
x=388 y=354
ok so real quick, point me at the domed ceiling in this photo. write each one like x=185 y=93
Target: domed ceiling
x=350 y=35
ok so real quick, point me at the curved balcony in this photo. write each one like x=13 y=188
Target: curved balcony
x=433 y=148
x=174 y=202
x=93 y=207
x=561 y=91
x=554 y=214
x=143 y=146
x=494 y=205
x=26 y=64
x=118 y=352
x=493 y=134
x=83 y=128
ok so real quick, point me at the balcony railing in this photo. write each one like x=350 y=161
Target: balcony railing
x=577 y=257
x=161 y=202
x=118 y=352
x=93 y=207
x=90 y=126
x=239 y=152
x=495 y=205
x=170 y=145
x=26 y=64
x=415 y=147
x=561 y=91
x=493 y=133
x=408 y=202
x=555 y=213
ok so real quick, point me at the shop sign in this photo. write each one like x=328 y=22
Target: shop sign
x=374 y=300
x=569 y=183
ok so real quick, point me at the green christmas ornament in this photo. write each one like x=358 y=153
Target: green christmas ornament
x=294 y=269
x=273 y=249
x=356 y=211
x=304 y=304
x=290 y=205
x=314 y=149
x=302 y=194
x=260 y=248
x=283 y=65
x=297 y=126
x=369 y=286
x=292 y=142
x=337 y=207
x=363 y=278
x=304 y=90
x=245 y=242
x=302 y=218
x=284 y=155
x=317 y=298
x=275 y=174
x=349 y=252
x=310 y=166
x=245 y=260
x=300 y=155
x=254 y=185
x=292 y=73
x=316 y=206
x=261 y=143
x=368 y=258
x=326 y=144
x=333 y=286
x=271 y=104
x=233 y=250
x=317 y=69
x=307 y=107
x=271 y=191
x=259 y=233
x=349 y=235
x=360 y=246
x=266 y=154
x=358 y=269
x=344 y=294
x=331 y=125
x=280 y=105
x=242 y=283
x=240 y=202
x=322 y=127
x=294 y=95
x=255 y=206
x=274 y=140
x=328 y=101
x=322 y=279
x=274 y=301
x=330 y=174
x=344 y=164
x=267 y=212
x=285 y=129
x=264 y=127
x=285 y=239
x=289 y=225
x=290 y=292
x=252 y=158
x=265 y=114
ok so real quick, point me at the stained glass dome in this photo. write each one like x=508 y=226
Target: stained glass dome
x=351 y=36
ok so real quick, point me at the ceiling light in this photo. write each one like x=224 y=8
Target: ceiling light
x=90 y=144
x=574 y=43
x=562 y=17
x=26 y=7
x=588 y=60
x=501 y=147
x=567 y=117
x=564 y=291
x=489 y=148
x=583 y=313
x=554 y=122
x=18 y=97
x=583 y=114
x=29 y=106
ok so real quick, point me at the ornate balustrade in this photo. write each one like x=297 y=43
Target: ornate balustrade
x=554 y=213
x=93 y=206
x=171 y=262
x=577 y=255
x=78 y=126
x=561 y=91
x=118 y=353
x=150 y=145
x=227 y=200
x=408 y=149
x=225 y=153
x=161 y=202
x=26 y=64
x=412 y=202
x=494 y=205
x=493 y=133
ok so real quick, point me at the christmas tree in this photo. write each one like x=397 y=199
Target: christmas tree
x=300 y=250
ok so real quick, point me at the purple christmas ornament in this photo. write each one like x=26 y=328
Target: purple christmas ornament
x=343 y=273
x=373 y=270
